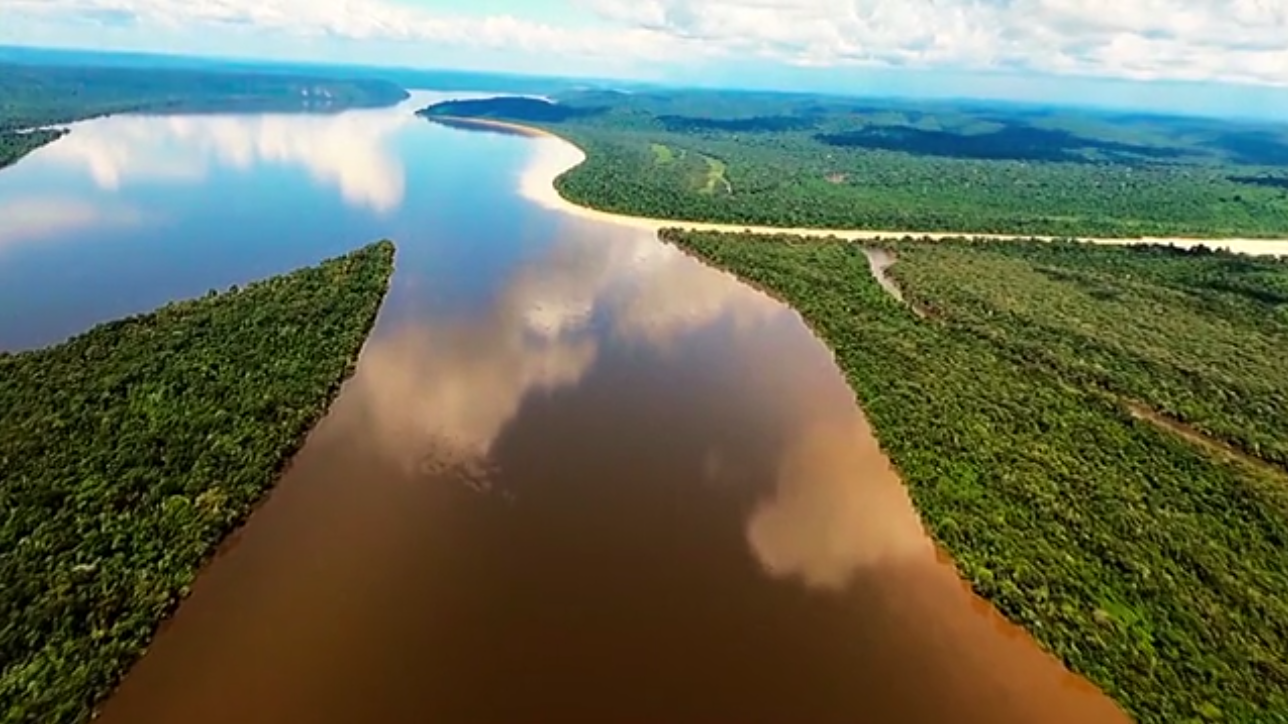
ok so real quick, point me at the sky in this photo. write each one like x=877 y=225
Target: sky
x=1223 y=56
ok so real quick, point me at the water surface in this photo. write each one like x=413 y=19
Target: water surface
x=577 y=477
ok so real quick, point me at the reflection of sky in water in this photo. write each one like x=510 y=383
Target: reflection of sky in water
x=741 y=438
x=837 y=508
x=348 y=151
x=445 y=389
x=352 y=152
x=494 y=300
x=126 y=213
x=458 y=380
x=33 y=218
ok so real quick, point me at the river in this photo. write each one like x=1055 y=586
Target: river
x=578 y=476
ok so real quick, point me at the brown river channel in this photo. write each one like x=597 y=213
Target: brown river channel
x=607 y=484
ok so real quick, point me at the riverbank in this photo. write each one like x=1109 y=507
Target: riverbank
x=557 y=156
x=14 y=145
x=134 y=449
x=1097 y=533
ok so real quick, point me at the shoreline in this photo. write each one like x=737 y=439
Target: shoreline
x=557 y=155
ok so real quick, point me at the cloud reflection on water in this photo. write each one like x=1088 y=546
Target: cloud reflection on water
x=449 y=387
x=350 y=151
x=33 y=217
x=445 y=390
x=838 y=507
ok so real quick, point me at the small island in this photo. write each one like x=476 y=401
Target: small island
x=129 y=452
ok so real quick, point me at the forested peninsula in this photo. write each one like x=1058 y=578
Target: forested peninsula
x=795 y=160
x=15 y=145
x=129 y=452
x=33 y=96
x=1031 y=396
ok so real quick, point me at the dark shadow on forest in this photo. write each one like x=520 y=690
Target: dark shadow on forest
x=1274 y=182
x=754 y=124
x=1252 y=279
x=514 y=109
x=1014 y=143
x=1257 y=148
x=1096 y=286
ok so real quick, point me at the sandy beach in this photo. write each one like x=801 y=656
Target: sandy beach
x=555 y=156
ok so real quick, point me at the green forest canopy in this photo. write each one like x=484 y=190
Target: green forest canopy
x=35 y=95
x=1197 y=336
x=437 y=79
x=801 y=160
x=129 y=452
x=15 y=145
x=1148 y=564
x=45 y=95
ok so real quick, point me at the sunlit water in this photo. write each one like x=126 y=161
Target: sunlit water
x=578 y=476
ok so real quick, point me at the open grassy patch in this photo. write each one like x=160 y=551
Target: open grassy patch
x=129 y=452
x=715 y=180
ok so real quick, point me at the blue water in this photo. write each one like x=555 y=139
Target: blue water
x=130 y=212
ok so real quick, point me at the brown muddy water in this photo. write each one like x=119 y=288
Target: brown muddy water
x=577 y=477
x=630 y=489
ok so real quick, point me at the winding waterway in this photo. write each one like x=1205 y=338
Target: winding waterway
x=577 y=477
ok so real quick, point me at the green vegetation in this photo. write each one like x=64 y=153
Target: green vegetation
x=128 y=453
x=813 y=161
x=1147 y=564
x=40 y=95
x=706 y=175
x=37 y=95
x=14 y=146
x=662 y=154
x=715 y=179
x=439 y=80
x=1199 y=337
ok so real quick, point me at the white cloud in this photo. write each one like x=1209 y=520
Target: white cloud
x=1239 y=40
x=361 y=20
x=1223 y=40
